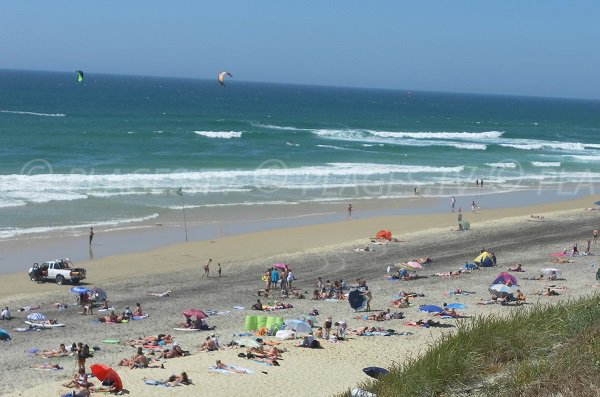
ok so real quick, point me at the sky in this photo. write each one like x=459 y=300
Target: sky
x=533 y=48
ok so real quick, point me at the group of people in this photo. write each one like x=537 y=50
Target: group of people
x=206 y=269
x=127 y=314
x=279 y=277
x=329 y=290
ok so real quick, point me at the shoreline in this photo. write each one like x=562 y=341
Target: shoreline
x=17 y=254
x=277 y=242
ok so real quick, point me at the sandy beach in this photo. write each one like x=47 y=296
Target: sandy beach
x=325 y=250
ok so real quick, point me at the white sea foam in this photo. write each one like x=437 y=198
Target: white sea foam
x=470 y=136
x=502 y=165
x=544 y=145
x=545 y=163
x=585 y=158
x=16 y=232
x=33 y=113
x=220 y=134
x=278 y=127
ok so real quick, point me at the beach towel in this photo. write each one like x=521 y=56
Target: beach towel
x=239 y=308
x=212 y=368
x=558 y=254
x=106 y=310
x=140 y=317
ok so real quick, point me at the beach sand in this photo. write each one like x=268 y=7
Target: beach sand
x=319 y=250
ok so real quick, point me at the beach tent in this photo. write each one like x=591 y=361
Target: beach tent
x=384 y=234
x=4 y=334
x=298 y=326
x=247 y=342
x=356 y=299
x=506 y=279
x=99 y=293
x=484 y=260
x=285 y=334
x=103 y=372
x=430 y=309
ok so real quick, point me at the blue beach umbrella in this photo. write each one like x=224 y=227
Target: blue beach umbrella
x=597 y=203
x=356 y=299
x=79 y=290
x=503 y=289
x=456 y=306
x=298 y=326
x=431 y=309
x=36 y=317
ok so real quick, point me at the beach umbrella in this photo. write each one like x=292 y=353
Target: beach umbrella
x=248 y=342
x=375 y=372
x=100 y=293
x=431 y=309
x=356 y=299
x=280 y=266
x=195 y=313
x=298 y=326
x=36 y=317
x=456 y=306
x=104 y=372
x=384 y=234
x=79 y=290
x=550 y=271
x=503 y=288
x=4 y=334
x=505 y=278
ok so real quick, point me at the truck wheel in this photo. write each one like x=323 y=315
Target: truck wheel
x=60 y=280
x=75 y=281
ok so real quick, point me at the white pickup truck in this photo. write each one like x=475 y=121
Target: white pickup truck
x=60 y=270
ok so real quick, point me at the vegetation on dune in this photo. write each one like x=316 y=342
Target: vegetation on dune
x=539 y=351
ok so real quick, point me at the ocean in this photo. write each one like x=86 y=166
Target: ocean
x=112 y=151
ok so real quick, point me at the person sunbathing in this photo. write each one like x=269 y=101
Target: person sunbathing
x=401 y=303
x=562 y=260
x=257 y=306
x=110 y=318
x=517 y=268
x=221 y=365
x=60 y=352
x=176 y=351
x=160 y=294
x=138 y=310
x=208 y=345
x=47 y=366
x=108 y=386
x=139 y=360
x=548 y=292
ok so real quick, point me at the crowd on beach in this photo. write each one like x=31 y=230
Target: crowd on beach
x=153 y=351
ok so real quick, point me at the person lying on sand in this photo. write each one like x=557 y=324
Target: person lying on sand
x=171 y=381
x=401 y=303
x=111 y=318
x=548 y=292
x=78 y=393
x=365 y=249
x=60 y=352
x=451 y=274
x=562 y=260
x=46 y=366
x=151 y=340
x=517 y=268
x=174 y=352
x=221 y=365
x=422 y=261
x=521 y=298
x=540 y=277
x=160 y=294
x=139 y=360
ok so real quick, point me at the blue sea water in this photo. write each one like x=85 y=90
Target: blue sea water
x=113 y=150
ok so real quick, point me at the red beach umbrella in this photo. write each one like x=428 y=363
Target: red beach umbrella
x=103 y=372
x=195 y=313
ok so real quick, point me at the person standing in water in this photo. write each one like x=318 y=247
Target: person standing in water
x=349 y=210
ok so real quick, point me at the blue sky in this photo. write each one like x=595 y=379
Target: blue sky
x=547 y=48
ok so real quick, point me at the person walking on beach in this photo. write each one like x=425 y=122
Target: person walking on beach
x=368 y=295
x=219 y=269
x=452 y=203
x=349 y=210
x=473 y=206
x=595 y=234
x=207 y=268
x=91 y=234
x=460 y=218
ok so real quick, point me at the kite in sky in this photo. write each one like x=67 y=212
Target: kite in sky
x=221 y=77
